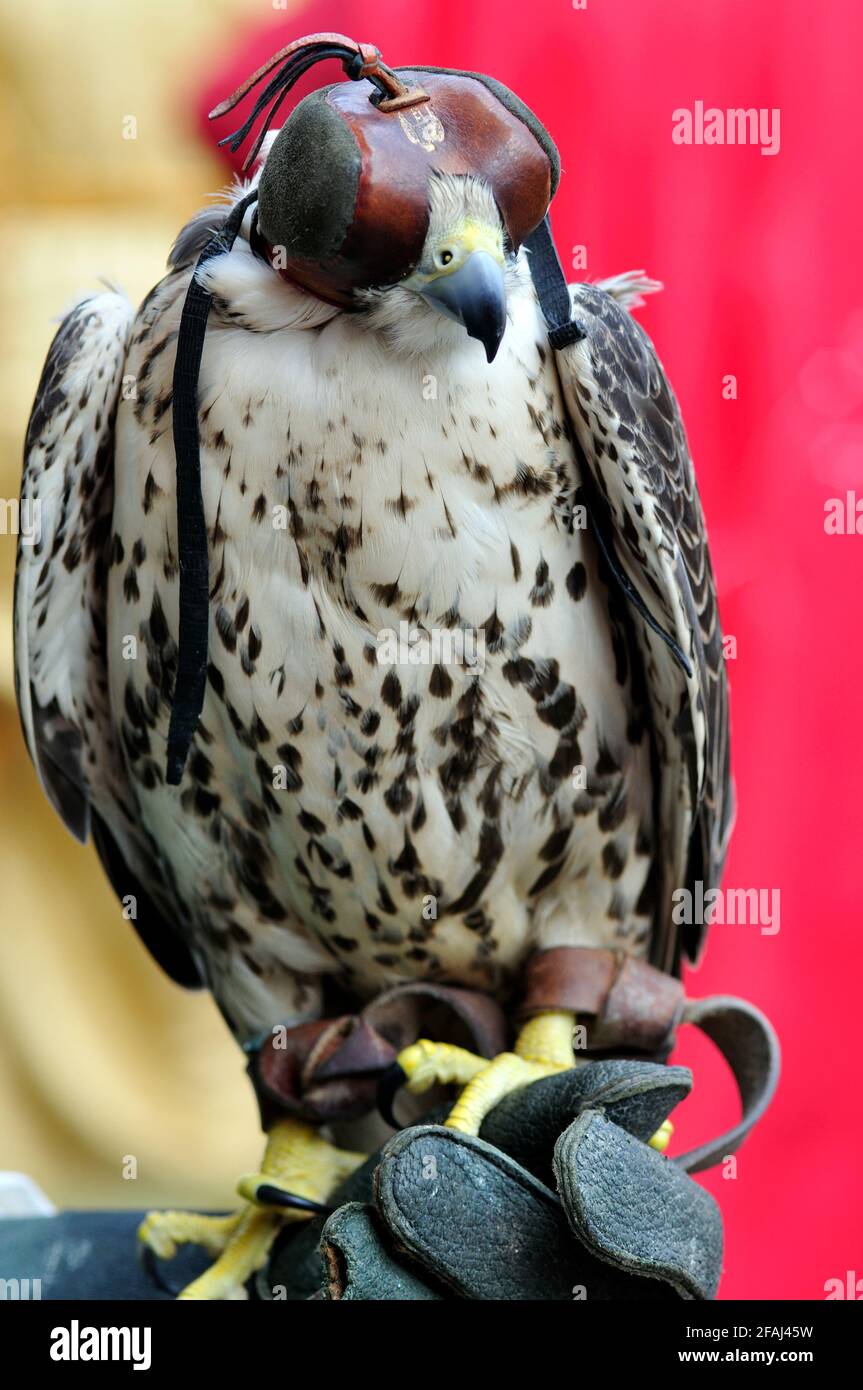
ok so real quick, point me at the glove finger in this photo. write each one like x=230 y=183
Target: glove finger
x=637 y=1096
x=293 y=1270
x=633 y=1208
x=484 y=1226
x=359 y=1263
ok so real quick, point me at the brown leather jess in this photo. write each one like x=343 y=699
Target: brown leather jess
x=629 y=1003
x=329 y=1070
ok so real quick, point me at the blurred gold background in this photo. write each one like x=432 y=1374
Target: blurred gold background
x=101 y=1056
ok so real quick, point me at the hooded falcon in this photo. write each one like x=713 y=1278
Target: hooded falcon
x=362 y=402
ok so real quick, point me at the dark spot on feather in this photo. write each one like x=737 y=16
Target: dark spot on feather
x=613 y=812
x=158 y=623
x=398 y=796
x=547 y=876
x=613 y=862
x=391 y=690
x=387 y=594
x=226 y=629
x=558 y=709
x=151 y=492
x=606 y=764
x=543 y=589
x=370 y=722
x=72 y=554
x=555 y=845
x=216 y=680
x=576 y=581
x=440 y=682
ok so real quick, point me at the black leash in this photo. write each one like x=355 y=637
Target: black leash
x=191 y=523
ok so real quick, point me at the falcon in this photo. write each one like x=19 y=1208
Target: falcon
x=384 y=425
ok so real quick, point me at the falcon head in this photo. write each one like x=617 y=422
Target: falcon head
x=462 y=278
x=402 y=193
x=461 y=270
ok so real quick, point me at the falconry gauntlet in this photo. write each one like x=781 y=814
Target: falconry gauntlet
x=559 y=1198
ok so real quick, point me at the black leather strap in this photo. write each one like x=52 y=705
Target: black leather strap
x=191 y=524
x=750 y=1046
x=551 y=288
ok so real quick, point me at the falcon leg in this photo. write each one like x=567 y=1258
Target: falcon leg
x=297 y=1163
x=163 y=1231
x=543 y=1047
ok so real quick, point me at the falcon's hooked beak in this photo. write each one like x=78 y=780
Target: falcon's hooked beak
x=465 y=280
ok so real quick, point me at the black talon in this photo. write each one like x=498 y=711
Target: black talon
x=153 y=1269
x=277 y=1197
x=389 y=1086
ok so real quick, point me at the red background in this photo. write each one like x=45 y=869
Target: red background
x=761 y=261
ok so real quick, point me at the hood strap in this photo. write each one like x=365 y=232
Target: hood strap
x=551 y=288
x=191 y=523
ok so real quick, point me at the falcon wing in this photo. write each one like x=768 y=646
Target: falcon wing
x=644 y=505
x=64 y=545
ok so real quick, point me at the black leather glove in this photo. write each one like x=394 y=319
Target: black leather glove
x=560 y=1198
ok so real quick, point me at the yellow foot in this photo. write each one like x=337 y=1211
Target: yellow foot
x=299 y=1167
x=543 y=1048
x=662 y=1138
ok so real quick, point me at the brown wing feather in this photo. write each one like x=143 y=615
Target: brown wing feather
x=60 y=613
x=628 y=425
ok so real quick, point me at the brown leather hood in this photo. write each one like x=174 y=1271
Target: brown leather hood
x=343 y=197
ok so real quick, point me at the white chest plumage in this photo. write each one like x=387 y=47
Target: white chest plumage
x=342 y=812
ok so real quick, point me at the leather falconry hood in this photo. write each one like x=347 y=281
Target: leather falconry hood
x=343 y=205
x=343 y=196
